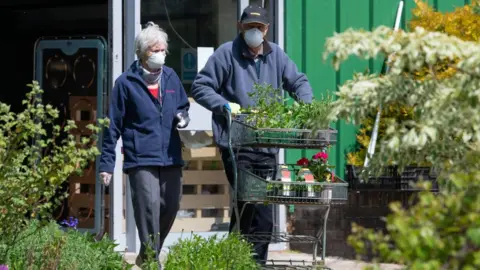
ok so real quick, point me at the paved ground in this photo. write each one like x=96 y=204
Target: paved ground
x=332 y=262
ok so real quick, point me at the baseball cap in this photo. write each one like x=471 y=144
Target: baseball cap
x=254 y=14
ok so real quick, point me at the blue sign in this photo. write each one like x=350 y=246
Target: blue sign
x=189 y=60
x=189 y=65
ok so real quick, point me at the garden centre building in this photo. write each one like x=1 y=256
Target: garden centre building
x=77 y=48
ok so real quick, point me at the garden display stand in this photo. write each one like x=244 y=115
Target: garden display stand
x=251 y=188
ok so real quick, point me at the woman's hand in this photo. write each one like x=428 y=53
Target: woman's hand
x=106 y=178
x=183 y=120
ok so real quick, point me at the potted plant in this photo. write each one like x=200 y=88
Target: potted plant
x=322 y=171
x=270 y=190
x=317 y=170
x=304 y=175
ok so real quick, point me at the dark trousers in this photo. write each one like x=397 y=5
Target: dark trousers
x=156 y=194
x=256 y=218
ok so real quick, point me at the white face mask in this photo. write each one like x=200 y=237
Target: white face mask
x=156 y=60
x=253 y=37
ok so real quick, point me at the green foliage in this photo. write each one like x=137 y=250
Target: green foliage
x=446 y=121
x=32 y=166
x=196 y=252
x=389 y=113
x=441 y=230
x=272 y=111
x=48 y=247
x=151 y=261
x=463 y=23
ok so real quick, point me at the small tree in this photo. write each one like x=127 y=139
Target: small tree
x=32 y=166
x=463 y=22
x=441 y=231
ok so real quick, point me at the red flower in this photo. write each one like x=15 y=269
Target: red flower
x=303 y=162
x=320 y=155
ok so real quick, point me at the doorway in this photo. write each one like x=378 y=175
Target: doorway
x=34 y=33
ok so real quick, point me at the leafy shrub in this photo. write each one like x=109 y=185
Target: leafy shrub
x=48 y=247
x=464 y=23
x=391 y=112
x=230 y=252
x=440 y=231
x=34 y=165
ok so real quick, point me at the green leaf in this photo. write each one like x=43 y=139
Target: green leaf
x=473 y=235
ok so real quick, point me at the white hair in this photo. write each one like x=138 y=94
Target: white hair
x=149 y=36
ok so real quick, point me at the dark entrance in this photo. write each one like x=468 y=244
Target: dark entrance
x=65 y=76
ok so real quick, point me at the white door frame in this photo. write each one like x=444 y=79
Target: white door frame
x=132 y=28
x=115 y=36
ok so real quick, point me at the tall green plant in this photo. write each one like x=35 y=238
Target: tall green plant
x=33 y=165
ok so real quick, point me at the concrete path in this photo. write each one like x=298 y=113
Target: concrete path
x=333 y=263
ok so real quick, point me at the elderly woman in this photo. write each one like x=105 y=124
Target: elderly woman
x=147 y=105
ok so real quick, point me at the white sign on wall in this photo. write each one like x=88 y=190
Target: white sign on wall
x=203 y=55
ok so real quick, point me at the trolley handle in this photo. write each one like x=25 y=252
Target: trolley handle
x=228 y=116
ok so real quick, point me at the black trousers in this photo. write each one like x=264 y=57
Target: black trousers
x=256 y=218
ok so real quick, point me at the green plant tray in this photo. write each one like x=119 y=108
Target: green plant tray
x=254 y=189
x=391 y=179
x=293 y=264
x=248 y=136
x=280 y=237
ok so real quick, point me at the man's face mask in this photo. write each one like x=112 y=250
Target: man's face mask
x=253 y=37
x=253 y=34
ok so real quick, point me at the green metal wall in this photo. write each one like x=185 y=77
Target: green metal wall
x=309 y=22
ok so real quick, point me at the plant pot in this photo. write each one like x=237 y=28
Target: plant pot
x=300 y=139
x=287 y=191
x=310 y=191
x=326 y=194
x=299 y=192
x=277 y=190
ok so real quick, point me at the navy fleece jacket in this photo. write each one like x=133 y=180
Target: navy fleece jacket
x=148 y=128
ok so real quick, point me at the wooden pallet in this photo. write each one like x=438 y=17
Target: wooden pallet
x=206 y=200
x=81 y=201
x=81 y=204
